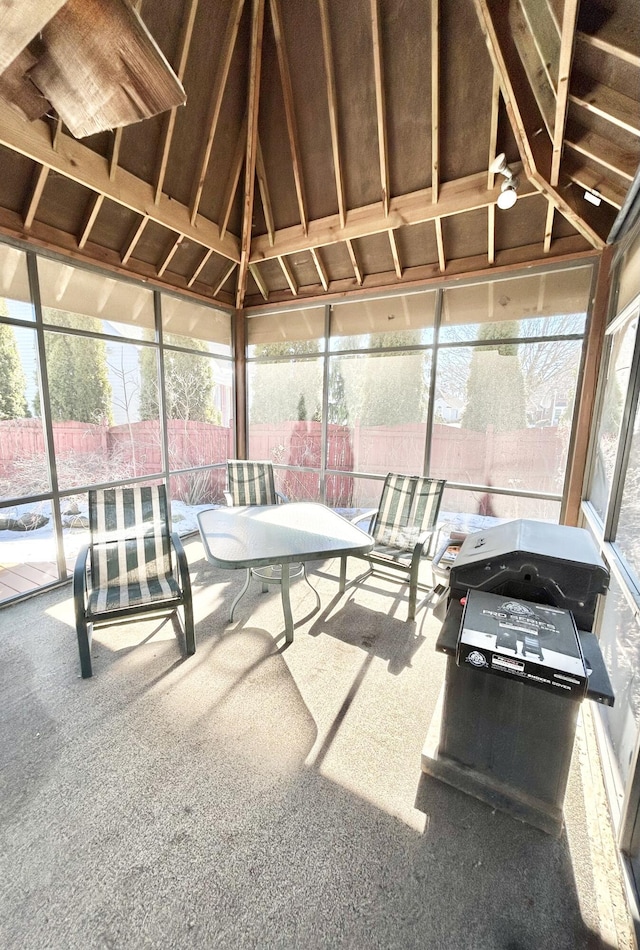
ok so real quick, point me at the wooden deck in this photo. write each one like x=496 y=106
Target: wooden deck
x=18 y=579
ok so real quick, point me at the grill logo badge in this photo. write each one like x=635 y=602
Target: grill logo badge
x=476 y=658
x=515 y=608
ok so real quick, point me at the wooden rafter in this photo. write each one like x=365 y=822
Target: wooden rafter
x=287 y=92
x=38 y=182
x=465 y=194
x=544 y=30
x=80 y=164
x=333 y=108
x=265 y=197
x=442 y=261
x=587 y=177
x=91 y=213
x=603 y=151
x=491 y=178
x=288 y=274
x=528 y=125
x=322 y=273
x=199 y=268
x=253 y=99
x=234 y=177
x=257 y=276
x=397 y=263
x=435 y=100
x=169 y=120
x=170 y=254
x=217 y=92
x=357 y=270
x=134 y=237
x=569 y=18
x=548 y=226
x=224 y=277
x=378 y=72
x=618 y=49
x=605 y=102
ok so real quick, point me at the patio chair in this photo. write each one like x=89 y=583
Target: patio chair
x=402 y=527
x=133 y=565
x=251 y=483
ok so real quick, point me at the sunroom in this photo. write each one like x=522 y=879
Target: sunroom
x=349 y=239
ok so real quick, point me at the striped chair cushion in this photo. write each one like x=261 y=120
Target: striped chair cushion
x=409 y=506
x=130 y=553
x=251 y=483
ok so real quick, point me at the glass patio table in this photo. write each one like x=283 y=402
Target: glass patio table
x=262 y=536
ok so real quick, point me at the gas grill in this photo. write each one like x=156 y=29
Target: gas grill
x=508 y=715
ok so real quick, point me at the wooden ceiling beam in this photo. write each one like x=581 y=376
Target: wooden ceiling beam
x=322 y=273
x=81 y=164
x=116 y=136
x=548 y=226
x=289 y=109
x=529 y=53
x=260 y=284
x=608 y=103
x=253 y=101
x=466 y=194
x=215 y=105
x=620 y=48
x=171 y=251
x=199 y=268
x=288 y=274
x=91 y=213
x=39 y=180
x=491 y=178
x=224 y=277
x=333 y=108
x=357 y=270
x=265 y=197
x=435 y=100
x=569 y=19
x=234 y=177
x=605 y=152
x=169 y=118
x=442 y=261
x=528 y=126
x=135 y=235
x=544 y=30
x=586 y=177
x=395 y=254
x=378 y=72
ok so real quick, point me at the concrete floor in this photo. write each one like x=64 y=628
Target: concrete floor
x=257 y=796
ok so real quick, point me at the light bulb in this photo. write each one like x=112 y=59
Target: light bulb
x=508 y=196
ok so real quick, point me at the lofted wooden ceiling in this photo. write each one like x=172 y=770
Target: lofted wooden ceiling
x=327 y=146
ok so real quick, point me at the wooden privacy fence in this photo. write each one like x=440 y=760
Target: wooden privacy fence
x=526 y=459
x=87 y=453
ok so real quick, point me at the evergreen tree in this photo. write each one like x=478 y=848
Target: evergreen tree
x=13 y=404
x=274 y=388
x=495 y=387
x=338 y=409
x=79 y=387
x=302 y=409
x=394 y=390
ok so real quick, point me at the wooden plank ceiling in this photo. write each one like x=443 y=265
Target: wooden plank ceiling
x=324 y=146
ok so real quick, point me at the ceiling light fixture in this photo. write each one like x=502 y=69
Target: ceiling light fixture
x=509 y=188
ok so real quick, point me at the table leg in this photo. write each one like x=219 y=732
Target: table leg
x=241 y=594
x=286 y=604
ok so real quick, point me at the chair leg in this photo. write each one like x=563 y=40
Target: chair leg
x=413 y=588
x=189 y=627
x=84 y=631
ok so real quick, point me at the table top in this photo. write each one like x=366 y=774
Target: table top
x=252 y=536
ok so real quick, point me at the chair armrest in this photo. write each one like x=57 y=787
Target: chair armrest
x=370 y=515
x=183 y=564
x=80 y=581
x=228 y=498
x=281 y=499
